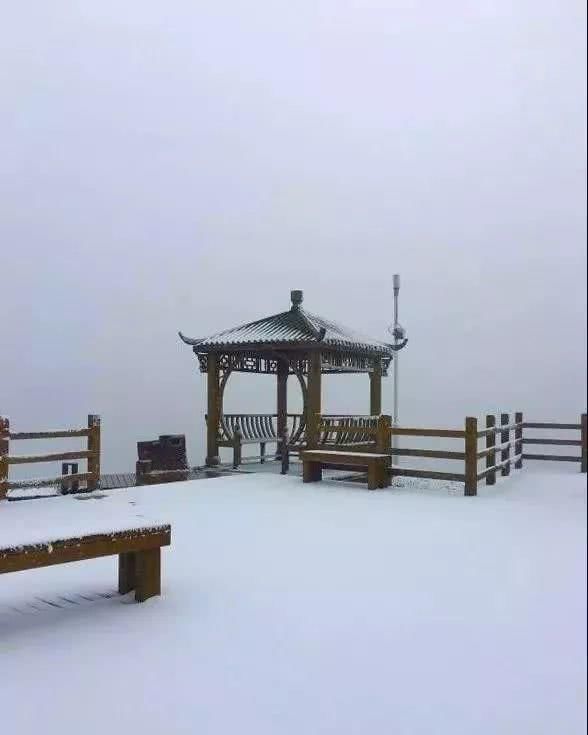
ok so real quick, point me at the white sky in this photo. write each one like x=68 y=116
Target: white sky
x=183 y=165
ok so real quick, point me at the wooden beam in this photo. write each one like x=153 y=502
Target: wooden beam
x=432 y=453
x=553 y=457
x=471 y=456
x=505 y=439
x=64 y=434
x=518 y=443
x=559 y=442
x=212 y=458
x=449 y=433
x=428 y=474
x=282 y=398
x=94 y=451
x=584 y=440
x=536 y=425
x=42 y=482
x=32 y=458
x=313 y=408
x=4 y=445
x=376 y=389
x=490 y=444
x=86 y=547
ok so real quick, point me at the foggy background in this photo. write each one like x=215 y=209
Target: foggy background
x=183 y=165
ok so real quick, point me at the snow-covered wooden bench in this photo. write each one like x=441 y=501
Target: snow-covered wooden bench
x=138 y=550
x=313 y=461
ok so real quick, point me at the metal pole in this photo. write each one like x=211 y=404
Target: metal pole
x=396 y=283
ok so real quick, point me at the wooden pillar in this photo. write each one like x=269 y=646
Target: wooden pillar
x=4 y=443
x=471 y=456
x=282 y=398
x=383 y=435
x=376 y=388
x=213 y=419
x=94 y=447
x=490 y=443
x=584 y=429
x=505 y=437
x=313 y=407
x=518 y=447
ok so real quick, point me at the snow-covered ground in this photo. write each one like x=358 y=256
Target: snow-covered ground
x=301 y=609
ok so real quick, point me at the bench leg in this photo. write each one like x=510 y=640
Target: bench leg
x=126 y=572
x=373 y=476
x=262 y=452
x=312 y=472
x=147 y=574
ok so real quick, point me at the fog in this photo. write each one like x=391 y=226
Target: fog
x=183 y=165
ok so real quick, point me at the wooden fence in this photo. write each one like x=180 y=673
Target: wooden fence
x=504 y=441
x=91 y=454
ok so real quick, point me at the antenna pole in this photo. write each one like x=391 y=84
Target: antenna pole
x=396 y=284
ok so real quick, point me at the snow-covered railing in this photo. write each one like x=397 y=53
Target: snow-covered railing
x=91 y=454
x=582 y=442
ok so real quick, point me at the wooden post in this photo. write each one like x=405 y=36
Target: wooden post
x=93 y=446
x=384 y=437
x=491 y=456
x=518 y=447
x=71 y=487
x=471 y=459
x=4 y=445
x=584 y=424
x=284 y=452
x=504 y=437
x=376 y=388
x=213 y=420
x=237 y=447
x=282 y=398
x=313 y=407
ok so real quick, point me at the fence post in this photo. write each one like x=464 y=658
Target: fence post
x=471 y=458
x=4 y=443
x=71 y=487
x=584 y=424
x=94 y=447
x=504 y=437
x=491 y=456
x=518 y=447
x=237 y=451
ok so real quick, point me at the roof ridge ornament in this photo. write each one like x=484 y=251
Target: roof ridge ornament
x=296 y=297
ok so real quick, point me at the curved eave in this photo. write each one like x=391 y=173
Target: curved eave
x=189 y=340
x=203 y=347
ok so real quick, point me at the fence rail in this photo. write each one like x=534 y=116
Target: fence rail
x=582 y=427
x=91 y=454
x=504 y=439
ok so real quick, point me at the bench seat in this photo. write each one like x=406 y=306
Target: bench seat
x=378 y=465
x=138 y=550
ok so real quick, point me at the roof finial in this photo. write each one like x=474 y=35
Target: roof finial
x=296 y=299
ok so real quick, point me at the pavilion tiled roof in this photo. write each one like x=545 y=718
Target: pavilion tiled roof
x=295 y=326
